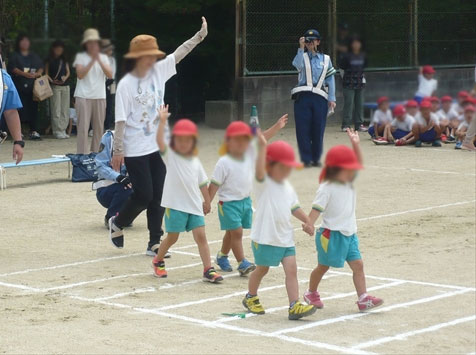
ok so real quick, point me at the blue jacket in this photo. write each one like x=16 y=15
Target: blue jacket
x=103 y=159
x=10 y=99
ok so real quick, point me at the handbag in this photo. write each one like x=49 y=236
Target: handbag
x=84 y=167
x=42 y=89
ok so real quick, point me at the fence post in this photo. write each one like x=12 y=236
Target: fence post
x=46 y=20
x=332 y=28
x=243 y=40
x=414 y=20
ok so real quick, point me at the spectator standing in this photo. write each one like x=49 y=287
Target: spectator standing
x=92 y=69
x=108 y=49
x=25 y=66
x=353 y=63
x=342 y=41
x=57 y=69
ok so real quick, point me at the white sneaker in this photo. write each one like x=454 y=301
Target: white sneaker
x=90 y=133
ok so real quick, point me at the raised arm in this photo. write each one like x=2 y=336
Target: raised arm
x=163 y=116
x=261 y=160
x=185 y=48
x=280 y=124
x=298 y=61
x=355 y=140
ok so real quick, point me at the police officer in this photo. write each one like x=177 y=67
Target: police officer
x=9 y=105
x=314 y=96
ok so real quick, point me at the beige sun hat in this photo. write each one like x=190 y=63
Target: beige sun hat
x=91 y=34
x=142 y=45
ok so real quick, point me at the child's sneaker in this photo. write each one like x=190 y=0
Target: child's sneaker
x=313 y=298
x=418 y=144
x=369 y=302
x=224 y=263
x=253 y=305
x=451 y=139
x=436 y=143
x=245 y=267
x=400 y=142
x=212 y=276
x=150 y=252
x=362 y=128
x=115 y=234
x=444 y=138
x=380 y=141
x=459 y=145
x=299 y=310
x=159 y=268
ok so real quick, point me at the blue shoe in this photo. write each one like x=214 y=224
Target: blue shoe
x=245 y=267
x=223 y=263
x=458 y=145
x=418 y=143
x=436 y=143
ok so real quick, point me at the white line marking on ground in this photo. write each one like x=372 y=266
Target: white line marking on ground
x=125 y=294
x=404 y=336
x=420 y=170
x=21 y=287
x=378 y=310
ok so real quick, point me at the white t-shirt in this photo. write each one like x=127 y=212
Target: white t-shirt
x=462 y=125
x=235 y=177
x=405 y=125
x=185 y=176
x=422 y=122
x=426 y=87
x=272 y=220
x=443 y=115
x=382 y=117
x=93 y=85
x=457 y=108
x=137 y=101
x=336 y=202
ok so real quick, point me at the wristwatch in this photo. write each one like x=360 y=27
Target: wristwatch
x=20 y=143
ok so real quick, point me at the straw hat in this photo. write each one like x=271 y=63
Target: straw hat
x=142 y=45
x=91 y=34
x=106 y=44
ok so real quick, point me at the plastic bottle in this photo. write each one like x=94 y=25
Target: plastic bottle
x=254 y=121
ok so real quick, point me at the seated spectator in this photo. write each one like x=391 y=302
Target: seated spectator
x=426 y=83
x=463 y=126
x=448 y=118
x=458 y=106
x=412 y=108
x=427 y=126
x=382 y=116
x=400 y=129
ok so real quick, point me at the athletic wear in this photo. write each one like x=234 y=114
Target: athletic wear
x=405 y=125
x=270 y=255
x=369 y=302
x=335 y=248
x=235 y=214
x=178 y=221
x=313 y=298
x=252 y=304
x=299 y=310
x=426 y=87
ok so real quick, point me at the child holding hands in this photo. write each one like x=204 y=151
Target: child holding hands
x=272 y=230
x=185 y=186
x=336 y=240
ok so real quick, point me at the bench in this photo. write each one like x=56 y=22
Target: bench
x=53 y=160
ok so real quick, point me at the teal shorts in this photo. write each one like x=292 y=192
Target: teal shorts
x=235 y=214
x=334 y=248
x=178 y=221
x=269 y=255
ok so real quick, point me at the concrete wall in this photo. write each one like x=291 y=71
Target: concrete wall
x=272 y=96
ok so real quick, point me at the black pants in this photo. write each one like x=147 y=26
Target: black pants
x=109 y=121
x=147 y=174
x=29 y=112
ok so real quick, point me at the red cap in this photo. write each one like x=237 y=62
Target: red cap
x=428 y=69
x=382 y=99
x=469 y=108
x=463 y=94
x=434 y=99
x=399 y=110
x=412 y=103
x=446 y=98
x=238 y=128
x=282 y=152
x=185 y=127
x=468 y=100
x=425 y=104
x=340 y=156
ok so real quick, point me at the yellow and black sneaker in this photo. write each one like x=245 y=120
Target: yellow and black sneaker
x=252 y=304
x=299 y=310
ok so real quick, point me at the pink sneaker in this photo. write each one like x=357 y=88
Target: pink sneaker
x=369 y=302
x=314 y=299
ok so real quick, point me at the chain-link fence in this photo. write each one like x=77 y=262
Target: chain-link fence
x=397 y=34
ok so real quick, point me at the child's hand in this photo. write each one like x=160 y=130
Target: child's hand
x=353 y=136
x=308 y=228
x=261 y=139
x=283 y=121
x=206 y=208
x=163 y=112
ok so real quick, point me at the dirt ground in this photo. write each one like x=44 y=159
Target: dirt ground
x=65 y=289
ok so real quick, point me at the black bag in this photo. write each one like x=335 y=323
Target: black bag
x=84 y=167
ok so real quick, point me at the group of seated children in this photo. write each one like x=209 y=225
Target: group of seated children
x=253 y=164
x=423 y=120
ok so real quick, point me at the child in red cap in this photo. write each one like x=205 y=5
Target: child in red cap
x=336 y=240
x=448 y=118
x=272 y=233
x=382 y=117
x=233 y=179
x=399 y=130
x=185 y=197
x=427 y=85
x=458 y=106
x=463 y=126
x=427 y=126
x=412 y=108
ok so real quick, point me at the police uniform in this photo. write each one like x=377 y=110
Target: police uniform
x=9 y=100
x=316 y=86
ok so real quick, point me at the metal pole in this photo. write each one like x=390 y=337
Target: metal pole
x=415 y=33
x=243 y=39
x=113 y=19
x=45 y=12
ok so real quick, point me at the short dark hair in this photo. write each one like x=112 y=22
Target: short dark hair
x=56 y=44
x=20 y=37
x=331 y=173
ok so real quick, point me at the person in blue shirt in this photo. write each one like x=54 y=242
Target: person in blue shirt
x=314 y=96
x=9 y=105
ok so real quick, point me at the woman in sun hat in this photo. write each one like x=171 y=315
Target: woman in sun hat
x=92 y=68
x=139 y=95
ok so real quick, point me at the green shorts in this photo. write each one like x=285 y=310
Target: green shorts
x=235 y=214
x=178 y=221
x=269 y=255
x=334 y=248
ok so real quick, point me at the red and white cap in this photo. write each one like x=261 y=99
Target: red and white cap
x=425 y=104
x=340 y=156
x=411 y=103
x=282 y=152
x=463 y=94
x=470 y=108
x=185 y=127
x=435 y=99
x=238 y=128
x=382 y=99
x=399 y=110
x=428 y=69
x=446 y=98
